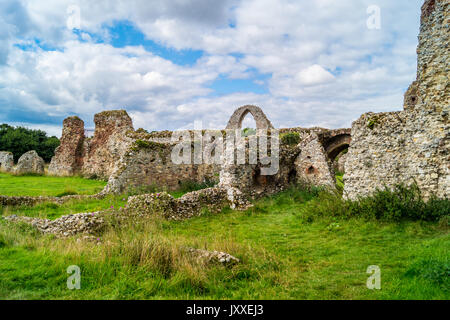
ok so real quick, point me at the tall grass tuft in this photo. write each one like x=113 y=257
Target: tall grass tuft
x=400 y=203
x=67 y=192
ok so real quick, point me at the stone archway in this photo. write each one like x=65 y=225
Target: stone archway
x=238 y=116
x=335 y=145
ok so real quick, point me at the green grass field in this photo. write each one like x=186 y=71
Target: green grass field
x=284 y=256
x=11 y=185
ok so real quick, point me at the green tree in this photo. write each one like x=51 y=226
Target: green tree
x=19 y=140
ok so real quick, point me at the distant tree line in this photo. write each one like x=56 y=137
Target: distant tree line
x=19 y=140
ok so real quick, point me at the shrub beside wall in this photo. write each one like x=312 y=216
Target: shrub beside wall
x=401 y=203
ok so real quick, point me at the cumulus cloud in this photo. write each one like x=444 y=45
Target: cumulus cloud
x=314 y=75
x=317 y=61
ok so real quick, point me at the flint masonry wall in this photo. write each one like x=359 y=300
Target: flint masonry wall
x=30 y=162
x=68 y=158
x=312 y=165
x=147 y=162
x=96 y=156
x=137 y=159
x=413 y=144
x=109 y=143
x=127 y=158
x=302 y=161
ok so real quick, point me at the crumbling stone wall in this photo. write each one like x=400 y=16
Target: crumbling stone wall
x=190 y=205
x=68 y=158
x=68 y=225
x=109 y=143
x=6 y=161
x=148 y=163
x=28 y=201
x=335 y=141
x=125 y=157
x=305 y=161
x=411 y=145
x=135 y=159
x=96 y=156
x=312 y=165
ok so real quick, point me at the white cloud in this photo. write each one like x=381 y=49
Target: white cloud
x=314 y=75
x=325 y=66
x=51 y=130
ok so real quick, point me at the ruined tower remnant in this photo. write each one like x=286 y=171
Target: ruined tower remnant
x=412 y=145
x=109 y=143
x=68 y=157
x=96 y=156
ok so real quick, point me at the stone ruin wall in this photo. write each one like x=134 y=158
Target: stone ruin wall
x=30 y=162
x=147 y=162
x=92 y=157
x=137 y=159
x=68 y=158
x=413 y=144
x=312 y=165
x=307 y=161
x=109 y=143
x=114 y=154
x=304 y=162
x=340 y=164
x=385 y=149
x=261 y=120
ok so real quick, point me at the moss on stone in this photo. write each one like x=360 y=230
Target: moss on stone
x=161 y=148
x=141 y=130
x=161 y=134
x=290 y=138
x=73 y=118
x=149 y=145
x=372 y=122
x=118 y=113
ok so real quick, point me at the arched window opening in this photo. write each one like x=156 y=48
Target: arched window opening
x=248 y=125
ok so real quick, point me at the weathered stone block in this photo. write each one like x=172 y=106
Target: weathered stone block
x=30 y=162
x=6 y=161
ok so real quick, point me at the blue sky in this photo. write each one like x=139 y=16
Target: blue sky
x=175 y=62
x=125 y=33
